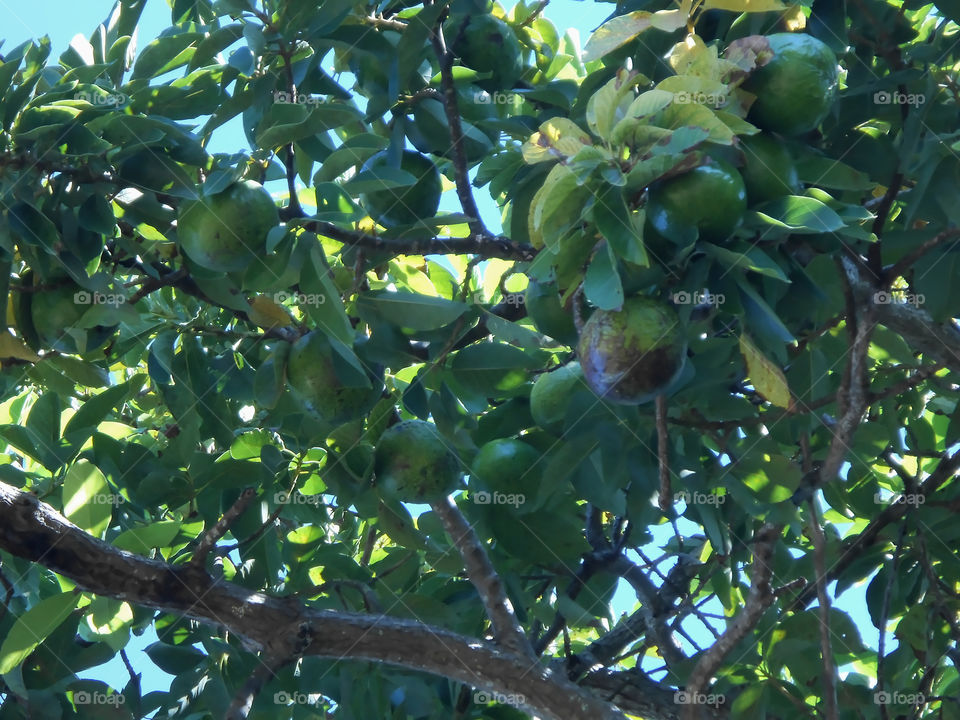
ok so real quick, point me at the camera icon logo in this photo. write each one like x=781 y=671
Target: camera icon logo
x=681 y=298
x=881 y=298
x=482 y=497
x=281 y=297
x=882 y=97
x=81 y=697
x=82 y=297
x=881 y=697
x=282 y=698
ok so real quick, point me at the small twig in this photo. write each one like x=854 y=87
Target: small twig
x=901 y=265
x=289 y=647
x=210 y=538
x=483 y=243
x=8 y=586
x=458 y=156
x=368 y=544
x=534 y=14
x=885 y=614
x=665 y=499
x=826 y=649
x=370 y=600
x=758 y=600
x=506 y=629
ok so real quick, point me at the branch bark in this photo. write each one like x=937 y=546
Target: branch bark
x=36 y=532
x=506 y=629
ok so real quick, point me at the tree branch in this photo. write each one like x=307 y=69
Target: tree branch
x=506 y=630
x=36 y=532
x=826 y=650
x=483 y=243
x=458 y=156
x=760 y=598
x=906 y=262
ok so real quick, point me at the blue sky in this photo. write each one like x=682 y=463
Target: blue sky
x=61 y=21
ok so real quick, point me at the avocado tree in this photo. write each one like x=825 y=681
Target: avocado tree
x=352 y=456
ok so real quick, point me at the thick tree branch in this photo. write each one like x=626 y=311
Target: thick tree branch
x=939 y=342
x=34 y=531
x=506 y=630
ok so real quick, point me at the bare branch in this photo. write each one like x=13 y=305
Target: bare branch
x=664 y=498
x=506 y=629
x=214 y=534
x=758 y=600
x=482 y=243
x=826 y=649
x=458 y=156
x=907 y=261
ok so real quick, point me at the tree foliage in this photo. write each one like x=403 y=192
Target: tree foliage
x=197 y=450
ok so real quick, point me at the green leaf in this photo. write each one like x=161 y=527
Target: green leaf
x=602 y=282
x=624 y=28
x=33 y=627
x=287 y=122
x=492 y=369
x=800 y=215
x=829 y=173
x=619 y=226
x=165 y=54
x=411 y=310
x=87 y=501
x=141 y=540
x=32 y=227
x=772 y=478
x=753 y=259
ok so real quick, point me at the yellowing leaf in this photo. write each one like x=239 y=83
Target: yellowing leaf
x=611 y=103
x=87 y=501
x=266 y=313
x=767 y=378
x=557 y=197
x=624 y=28
x=14 y=347
x=557 y=138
